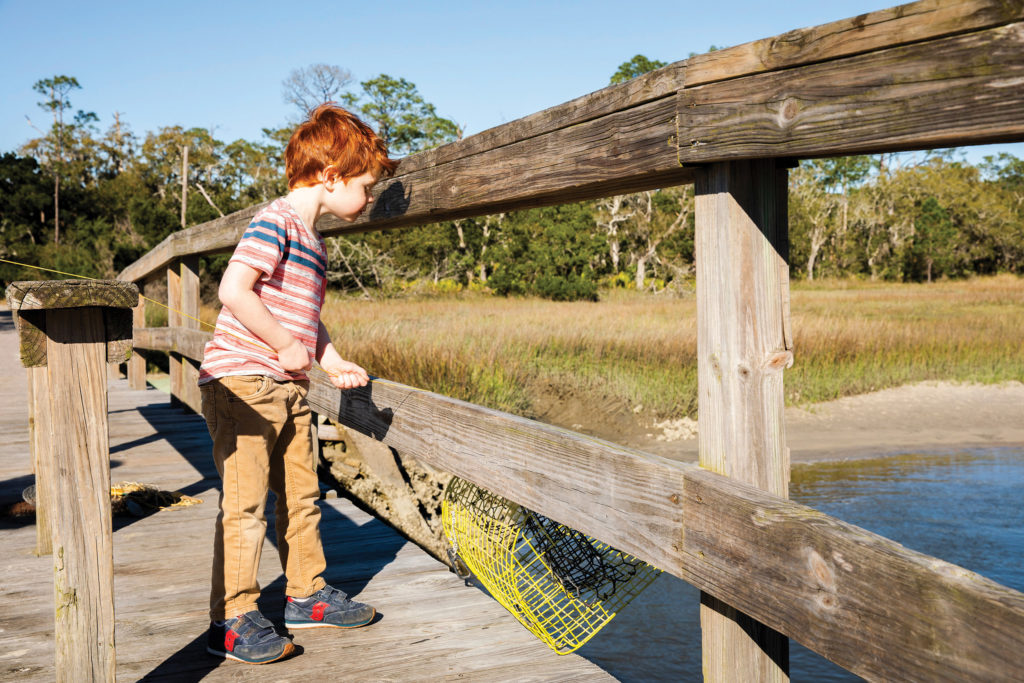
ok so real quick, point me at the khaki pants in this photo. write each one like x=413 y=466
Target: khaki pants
x=261 y=438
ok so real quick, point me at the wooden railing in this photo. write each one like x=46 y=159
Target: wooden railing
x=918 y=76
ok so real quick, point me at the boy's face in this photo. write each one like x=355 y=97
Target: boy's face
x=346 y=199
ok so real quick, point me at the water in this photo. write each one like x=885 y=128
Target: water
x=963 y=507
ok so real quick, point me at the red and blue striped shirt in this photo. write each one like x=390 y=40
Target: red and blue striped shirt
x=293 y=262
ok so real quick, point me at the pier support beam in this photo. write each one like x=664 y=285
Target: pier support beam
x=70 y=330
x=743 y=344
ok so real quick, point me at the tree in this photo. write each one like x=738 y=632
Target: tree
x=57 y=90
x=637 y=66
x=549 y=252
x=404 y=120
x=315 y=84
x=934 y=236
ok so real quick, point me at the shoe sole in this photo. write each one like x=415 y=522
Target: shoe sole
x=288 y=649
x=320 y=624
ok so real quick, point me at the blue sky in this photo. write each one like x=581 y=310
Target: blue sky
x=220 y=64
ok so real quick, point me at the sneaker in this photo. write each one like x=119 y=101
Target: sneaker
x=248 y=638
x=327 y=607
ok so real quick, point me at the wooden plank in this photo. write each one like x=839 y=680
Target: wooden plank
x=82 y=532
x=628 y=499
x=174 y=321
x=189 y=319
x=863 y=601
x=900 y=25
x=137 y=362
x=181 y=340
x=46 y=294
x=42 y=456
x=960 y=90
x=741 y=250
x=622 y=152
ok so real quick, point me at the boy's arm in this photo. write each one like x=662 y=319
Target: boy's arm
x=237 y=294
x=343 y=374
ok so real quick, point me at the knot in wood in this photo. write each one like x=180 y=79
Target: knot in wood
x=821 y=572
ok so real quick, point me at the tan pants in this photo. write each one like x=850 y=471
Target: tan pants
x=261 y=438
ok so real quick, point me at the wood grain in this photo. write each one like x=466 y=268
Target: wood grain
x=82 y=532
x=181 y=340
x=137 y=362
x=174 y=322
x=624 y=151
x=863 y=601
x=627 y=498
x=189 y=319
x=741 y=250
x=951 y=91
x=45 y=294
x=891 y=27
x=42 y=456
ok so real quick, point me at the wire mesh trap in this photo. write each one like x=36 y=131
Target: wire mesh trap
x=563 y=586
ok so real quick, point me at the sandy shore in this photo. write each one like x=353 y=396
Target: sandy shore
x=930 y=417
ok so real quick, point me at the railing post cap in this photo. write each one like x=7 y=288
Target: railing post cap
x=34 y=295
x=29 y=301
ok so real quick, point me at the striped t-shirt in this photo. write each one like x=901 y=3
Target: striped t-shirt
x=293 y=262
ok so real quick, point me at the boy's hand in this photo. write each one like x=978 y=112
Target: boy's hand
x=344 y=374
x=294 y=357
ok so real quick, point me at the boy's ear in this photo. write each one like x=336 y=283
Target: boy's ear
x=328 y=176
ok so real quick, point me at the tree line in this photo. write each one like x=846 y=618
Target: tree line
x=89 y=201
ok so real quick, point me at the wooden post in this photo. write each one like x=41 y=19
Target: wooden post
x=190 y=307
x=742 y=348
x=137 y=363
x=83 y=326
x=174 y=320
x=42 y=462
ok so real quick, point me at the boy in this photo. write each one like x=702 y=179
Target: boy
x=254 y=386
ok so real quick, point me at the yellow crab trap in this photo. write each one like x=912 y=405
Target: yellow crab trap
x=560 y=584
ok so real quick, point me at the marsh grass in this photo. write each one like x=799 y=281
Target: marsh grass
x=640 y=350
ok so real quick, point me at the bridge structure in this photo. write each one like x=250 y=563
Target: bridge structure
x=934 y=73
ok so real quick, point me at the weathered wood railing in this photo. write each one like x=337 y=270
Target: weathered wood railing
x=69 y=332
x=933 y=73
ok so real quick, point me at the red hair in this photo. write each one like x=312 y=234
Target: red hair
x=333 y=138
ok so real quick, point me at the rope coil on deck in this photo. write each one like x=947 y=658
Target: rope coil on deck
x=562 y=585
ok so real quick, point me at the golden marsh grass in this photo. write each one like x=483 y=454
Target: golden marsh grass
x=639 y=349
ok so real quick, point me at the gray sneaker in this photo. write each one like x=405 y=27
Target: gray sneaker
x=248 y=638
x=327 y=607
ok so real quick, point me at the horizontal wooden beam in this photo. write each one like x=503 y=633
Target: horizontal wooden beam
x=960 y=90
x=929 y=74
x=861 y=600
x=182 y=340
x=880 y=30
x=632 y=501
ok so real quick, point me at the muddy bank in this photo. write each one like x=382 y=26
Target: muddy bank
x=929 y=417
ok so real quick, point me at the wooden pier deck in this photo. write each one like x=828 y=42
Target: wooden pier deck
x=431 y=626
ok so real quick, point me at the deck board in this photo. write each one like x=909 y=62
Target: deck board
x=432 y=626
